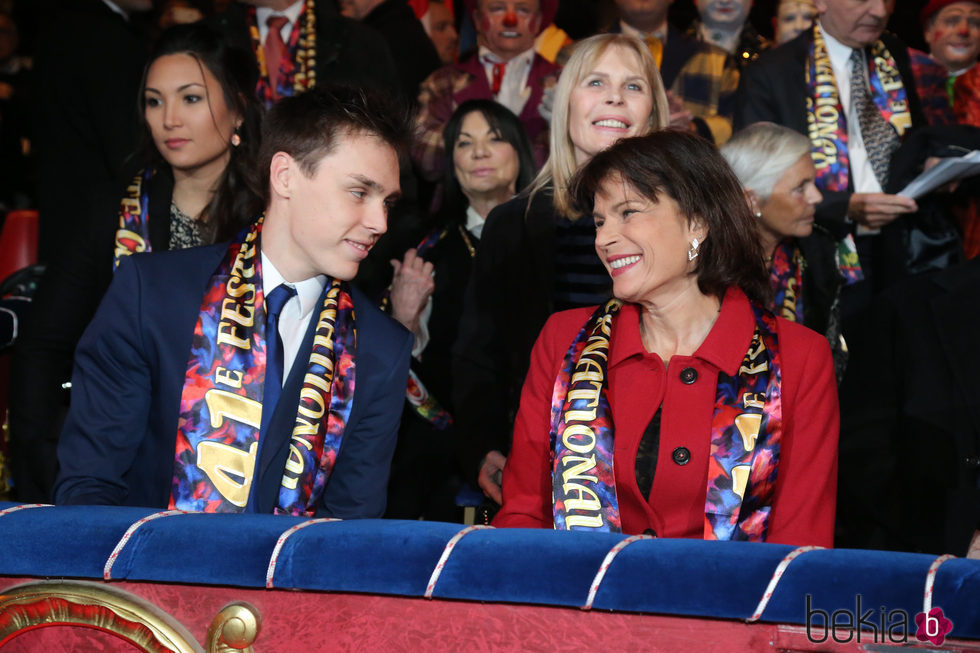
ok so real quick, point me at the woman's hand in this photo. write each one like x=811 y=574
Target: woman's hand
x=411 y=287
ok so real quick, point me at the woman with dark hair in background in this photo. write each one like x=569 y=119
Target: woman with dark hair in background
x=489 y=161
x=682 y=407
x=193 y=187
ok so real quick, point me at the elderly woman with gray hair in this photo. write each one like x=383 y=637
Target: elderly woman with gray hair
x=776 y=170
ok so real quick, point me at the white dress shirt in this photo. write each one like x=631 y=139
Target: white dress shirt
x=863 y=178
x=116 y=8
x=291 y=13
x=474 y=222
x=296 y=312
x=514 y=90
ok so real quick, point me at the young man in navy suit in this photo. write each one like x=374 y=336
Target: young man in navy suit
x=250 y=376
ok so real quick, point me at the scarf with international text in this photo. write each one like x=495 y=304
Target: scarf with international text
x=826 y=121
x=297 y=70
x=221 y=401
x=745 y=436
x=133 y=233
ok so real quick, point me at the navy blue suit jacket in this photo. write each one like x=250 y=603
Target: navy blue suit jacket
x=118 y=444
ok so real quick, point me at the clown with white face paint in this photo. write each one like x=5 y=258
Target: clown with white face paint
x=722 y=21
x=505 y=69
x=948 y=76
x=952 y=30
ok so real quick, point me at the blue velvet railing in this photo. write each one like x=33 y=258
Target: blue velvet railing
x=675 y=577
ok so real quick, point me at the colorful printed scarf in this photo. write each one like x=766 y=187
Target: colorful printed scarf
x=221 y=402
x=826 y=121
x=786 y=279
x=133 y=234
x=583 y=485
x=848 y=261
x=297 y=72
x=745 y=434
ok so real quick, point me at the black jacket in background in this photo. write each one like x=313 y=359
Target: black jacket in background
x=415 y=55
x=88 y=65
x=63 y=306
x=910 y=420
x=347 y=52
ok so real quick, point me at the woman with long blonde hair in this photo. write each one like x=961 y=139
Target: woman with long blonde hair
x=537 y=252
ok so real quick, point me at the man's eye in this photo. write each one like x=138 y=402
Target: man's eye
x=359 y=194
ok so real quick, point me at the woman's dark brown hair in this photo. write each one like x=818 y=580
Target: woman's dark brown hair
x=689 y=170
x=237 y=200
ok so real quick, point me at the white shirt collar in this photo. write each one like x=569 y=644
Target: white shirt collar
x=308 y=291
x=837 y=51
x=291 y=13
x=629 y=30
x=474 y=222
x=115 y=8
x=487 y=56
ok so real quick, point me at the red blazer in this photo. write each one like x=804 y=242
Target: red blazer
x=639 y=382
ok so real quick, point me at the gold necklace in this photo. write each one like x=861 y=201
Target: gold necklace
x=466 y=240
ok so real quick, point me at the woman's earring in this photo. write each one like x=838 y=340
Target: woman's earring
x=693 y=252
x=758 y=214
x=236 y=140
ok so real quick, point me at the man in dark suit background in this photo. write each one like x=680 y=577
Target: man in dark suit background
x=811 y=84
x=183 y=397
x=415 y=55
x=344 y=51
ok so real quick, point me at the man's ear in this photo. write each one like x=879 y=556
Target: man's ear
x=753 y=201
x=282 y=171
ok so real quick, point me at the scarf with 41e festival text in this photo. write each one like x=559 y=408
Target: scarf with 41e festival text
x=221 y=402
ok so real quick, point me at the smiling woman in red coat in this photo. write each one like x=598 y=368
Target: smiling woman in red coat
x=682 y=408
